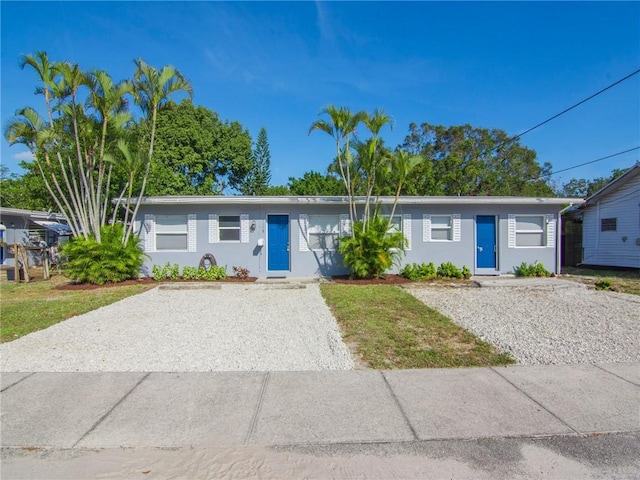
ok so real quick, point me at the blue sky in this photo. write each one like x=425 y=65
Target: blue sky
x=506 y=65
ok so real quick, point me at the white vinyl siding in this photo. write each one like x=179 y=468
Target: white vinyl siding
x=622 y=247
x=441 y=228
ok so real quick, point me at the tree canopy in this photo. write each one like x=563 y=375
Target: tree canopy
x=195 y=152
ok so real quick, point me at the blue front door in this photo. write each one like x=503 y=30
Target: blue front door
x=485 y=241
x=278 y=242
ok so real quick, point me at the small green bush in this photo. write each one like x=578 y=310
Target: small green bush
x=163 y=272
x=422 y=271
x=466 y=273
x=373 y=249
x=107 y=261
x=190 y=273
x=449 y=270
x=215 y=272
x=603 y=284
x=531 y=270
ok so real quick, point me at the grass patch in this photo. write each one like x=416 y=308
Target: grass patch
x=392 y=329
x=28 y=307
x=624 y=281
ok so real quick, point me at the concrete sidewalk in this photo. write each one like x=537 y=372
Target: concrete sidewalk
x=102 y=410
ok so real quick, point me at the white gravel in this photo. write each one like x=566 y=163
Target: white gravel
x=239 y=327
x=546 y=322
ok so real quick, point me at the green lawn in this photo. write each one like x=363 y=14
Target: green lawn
x=390 y=329
x=625 y=281
x=28 y=307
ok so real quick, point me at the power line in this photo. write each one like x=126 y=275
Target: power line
x=572 y=107
x=593 y=161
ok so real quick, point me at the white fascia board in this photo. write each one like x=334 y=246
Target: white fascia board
x=302 y=200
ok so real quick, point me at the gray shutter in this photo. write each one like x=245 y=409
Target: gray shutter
x=551 y=231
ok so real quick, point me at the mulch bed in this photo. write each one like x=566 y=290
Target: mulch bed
x=146 y=281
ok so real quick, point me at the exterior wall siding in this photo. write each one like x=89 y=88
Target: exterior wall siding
x=619 y=248
x=304 y=261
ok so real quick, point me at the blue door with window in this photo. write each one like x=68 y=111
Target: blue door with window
x=486 y=241
x=278 y=242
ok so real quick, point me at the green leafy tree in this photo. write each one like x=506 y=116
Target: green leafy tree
x=195 y=152
x=583 y=188
x=314 y=184
x=257 y=180
x=464 y=160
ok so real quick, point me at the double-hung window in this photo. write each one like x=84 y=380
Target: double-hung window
x=530 y=231
x=323 y=232
x=441 y=228
x=229 y=228
x=172 y=232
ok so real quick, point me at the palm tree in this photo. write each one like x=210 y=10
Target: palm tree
x=108 y=100
x=372 y=156
x=152 y=89
x=133 y=164
x=342 y=124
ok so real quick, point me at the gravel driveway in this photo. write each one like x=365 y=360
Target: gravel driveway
x=239 y=327
x=545 y=322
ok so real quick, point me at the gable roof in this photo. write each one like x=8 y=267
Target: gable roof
x=614 y=184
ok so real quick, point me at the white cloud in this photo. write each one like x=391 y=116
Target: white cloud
x=23 y=156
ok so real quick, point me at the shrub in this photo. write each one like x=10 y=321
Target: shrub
x=241 y=272
x=531 y=270
x=422 y=271
x=449 y=270
x=466 y=273
x=106 y=262
x=371 y=251
x=162 y=272
x=190 y=273
x=603 y=284
x=215 y=272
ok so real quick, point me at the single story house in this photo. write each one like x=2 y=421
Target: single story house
x=611 y=223
x=32 y=229
x=296 y=236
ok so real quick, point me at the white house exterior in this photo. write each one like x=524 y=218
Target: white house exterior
x=611 y=223
x=296 y=236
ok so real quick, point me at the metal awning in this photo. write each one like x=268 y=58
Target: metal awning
x=59 y=228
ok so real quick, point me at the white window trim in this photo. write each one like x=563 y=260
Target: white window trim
x=454 y=227
x=152 y=232
x=548 y=230
x=304 y=245
x=214 y=228
x=309 y=233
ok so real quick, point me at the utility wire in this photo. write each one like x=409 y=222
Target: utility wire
x=593 y=161
x=572 y=107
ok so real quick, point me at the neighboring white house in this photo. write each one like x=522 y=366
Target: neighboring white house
x=611 y=223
